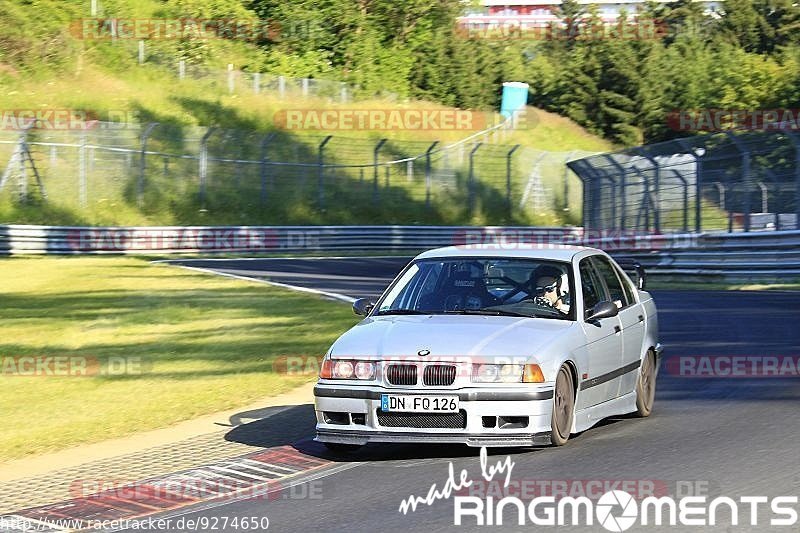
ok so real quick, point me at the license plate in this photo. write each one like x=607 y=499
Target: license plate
x=401 y=403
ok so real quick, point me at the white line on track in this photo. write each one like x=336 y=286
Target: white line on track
x=332 y=295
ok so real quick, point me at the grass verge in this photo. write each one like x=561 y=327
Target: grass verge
x=205 y=344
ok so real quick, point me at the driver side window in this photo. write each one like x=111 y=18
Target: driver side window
x=592 y=287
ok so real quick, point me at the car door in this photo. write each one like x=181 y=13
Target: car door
x=631 y=316
x=603 y=342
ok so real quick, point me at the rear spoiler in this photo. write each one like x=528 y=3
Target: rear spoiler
x=634 y=269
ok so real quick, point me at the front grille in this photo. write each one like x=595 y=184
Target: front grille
x=439 y=375
x=402 y=374
x=423 y=420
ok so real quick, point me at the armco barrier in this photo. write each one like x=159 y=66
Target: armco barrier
x=255 y=239
x=756 y=256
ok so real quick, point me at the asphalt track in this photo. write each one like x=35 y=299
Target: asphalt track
x=733 y=437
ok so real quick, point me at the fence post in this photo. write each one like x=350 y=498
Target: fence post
x=471 y=178
x=257 y=83
x=181 y=69
x=566 y=180
x=509 y=157
x=344 y=93
x=264 y=145
x=375 y=154
x=305 y=86
x=428 y=173
x=143 y=163
x=321 y=171
x=745 y=176
x=82 y=171
x=141 y=52
x=281 y=86
x=657 y=185
x=764 y=197
x=623 y=199
x=796 y=142
x=231 y=87
x=204 y=165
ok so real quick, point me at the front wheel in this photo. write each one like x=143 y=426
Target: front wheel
x=646 y=386
x=563 y=407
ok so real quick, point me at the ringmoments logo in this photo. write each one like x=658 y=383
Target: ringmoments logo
x=614 y=510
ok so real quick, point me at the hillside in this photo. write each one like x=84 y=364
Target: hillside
x=104 y=80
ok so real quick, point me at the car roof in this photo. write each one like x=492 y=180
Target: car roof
x=554 y=252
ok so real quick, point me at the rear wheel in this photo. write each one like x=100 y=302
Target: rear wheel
x=563 y=407
x=646 y=386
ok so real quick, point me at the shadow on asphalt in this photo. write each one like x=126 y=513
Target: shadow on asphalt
x=275 y=426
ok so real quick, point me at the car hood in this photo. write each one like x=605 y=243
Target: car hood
x=449 y=336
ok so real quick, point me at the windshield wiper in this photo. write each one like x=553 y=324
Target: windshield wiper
x=401 y=312
x=490 y=312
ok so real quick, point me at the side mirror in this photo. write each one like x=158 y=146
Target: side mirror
x=602 y=310
x=363 y=306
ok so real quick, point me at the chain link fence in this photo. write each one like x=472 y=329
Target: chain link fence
x=734 y=181
x=139 y=174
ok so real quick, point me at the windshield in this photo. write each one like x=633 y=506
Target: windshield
x=498 y=286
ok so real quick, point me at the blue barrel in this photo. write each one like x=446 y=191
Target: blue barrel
x=515 y=97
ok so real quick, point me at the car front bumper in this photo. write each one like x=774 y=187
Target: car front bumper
x=490 y=416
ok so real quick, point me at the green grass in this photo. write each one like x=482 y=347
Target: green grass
x=206 y=343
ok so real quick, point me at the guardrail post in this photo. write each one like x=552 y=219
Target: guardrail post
x=685 y=200
x=375 y=155
x=143 y=162
x=471 y=177
x=428 y=173
x=203 y=170
x=321 y=171
x=509 y=157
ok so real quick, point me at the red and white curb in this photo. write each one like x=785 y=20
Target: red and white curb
x=263 y=474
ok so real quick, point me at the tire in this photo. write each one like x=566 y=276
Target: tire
x=646 y=386
x=337 y=447
x=563 y=407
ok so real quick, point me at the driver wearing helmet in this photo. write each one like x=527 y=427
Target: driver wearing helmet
x=547 y=284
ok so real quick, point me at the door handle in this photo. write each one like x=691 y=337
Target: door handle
x=617 y=329
x=641 y=318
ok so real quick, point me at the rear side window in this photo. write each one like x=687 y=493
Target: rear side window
x=626 y=286
x=592 y=288
x=609 y=275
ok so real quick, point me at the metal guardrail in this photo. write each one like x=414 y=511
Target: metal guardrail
x=754 y=256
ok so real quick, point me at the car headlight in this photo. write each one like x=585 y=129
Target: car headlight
x=347 y=369
x=507 y=374
x=497 y=373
